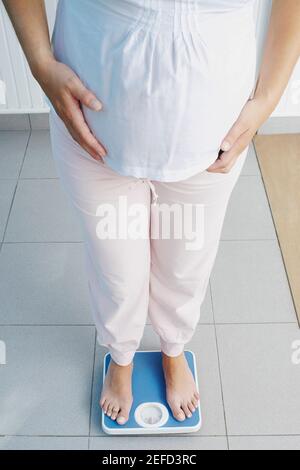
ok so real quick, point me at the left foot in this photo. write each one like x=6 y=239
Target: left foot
x=181 y=390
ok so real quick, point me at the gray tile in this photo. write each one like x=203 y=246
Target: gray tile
x=14 y=122
x=249 y=284
x=261 y=383
x=207 y=310
x=204 y=346
x=251 y=166
x=158 y=443
x=42 y=213
x=265 y=443
x=248 y=216
x=7 y=189
x=44 y=443
x=39 y=120
x=43 y=284
x=12 y=150
x=38 y=161
x=46 y=383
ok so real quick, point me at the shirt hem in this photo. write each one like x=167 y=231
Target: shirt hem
x=167 y=176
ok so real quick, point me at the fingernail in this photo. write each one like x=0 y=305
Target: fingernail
x=225 y=146
x=96 y=105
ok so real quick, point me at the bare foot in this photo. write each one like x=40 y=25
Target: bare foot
x=116 y=397
x=182 y=395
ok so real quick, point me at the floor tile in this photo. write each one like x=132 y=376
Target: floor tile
x=158 y=443
x=251 y=166
x=46 y=383
x=38 y=161
x=42 y=213
x=249 y=284
x=43 y=443
x=265 y=443
x=12 y=150
x=43 y=284
x=7 y=188
x=204 y=346
x=248 y=216
x=206 y=316
x=261 y=382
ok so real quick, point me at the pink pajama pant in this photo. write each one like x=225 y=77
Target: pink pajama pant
x=132 y=277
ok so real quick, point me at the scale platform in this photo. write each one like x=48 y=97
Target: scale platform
x=150 y=413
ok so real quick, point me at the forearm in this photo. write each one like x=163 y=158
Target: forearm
x=281 y=52
x=30 y=23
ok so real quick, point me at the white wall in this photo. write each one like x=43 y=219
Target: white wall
x=23 y=94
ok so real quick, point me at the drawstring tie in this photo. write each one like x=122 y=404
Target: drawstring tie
x=153 y=191
x=154 y=195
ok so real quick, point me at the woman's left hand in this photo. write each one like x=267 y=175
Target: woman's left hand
x=253 y=115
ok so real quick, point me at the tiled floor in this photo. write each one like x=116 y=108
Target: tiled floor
x=50 y=385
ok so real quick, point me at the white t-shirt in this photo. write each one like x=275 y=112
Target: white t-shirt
x=173 y=76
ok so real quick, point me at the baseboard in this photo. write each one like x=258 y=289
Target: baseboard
x=14 y=122
x=281 y=125
x=24 y=122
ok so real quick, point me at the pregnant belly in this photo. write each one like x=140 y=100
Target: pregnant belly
x=170 y=90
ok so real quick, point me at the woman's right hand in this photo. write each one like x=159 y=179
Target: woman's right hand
x=66 y=92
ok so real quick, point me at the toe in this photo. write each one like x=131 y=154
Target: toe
x=195 y=403
x=122 y=417
x=186 y=410
x=105 y=406
x=197 y=396
x=109 y=410
x=102 y=401
x=178 y=413
x=191 y=407
x=115 y=412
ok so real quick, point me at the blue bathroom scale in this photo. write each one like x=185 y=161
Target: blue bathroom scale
x=150 y=413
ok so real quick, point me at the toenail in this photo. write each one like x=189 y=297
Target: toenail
x=121 y=420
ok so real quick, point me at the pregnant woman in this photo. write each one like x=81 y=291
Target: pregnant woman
x=154 y=104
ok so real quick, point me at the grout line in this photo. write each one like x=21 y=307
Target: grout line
x=219 y=365
x=92 y=384
x=66 y=325
x=49 y=178
x=247 y=240
x=16 y=187
x=253 y=240
x=43 y=242
x=109 y=436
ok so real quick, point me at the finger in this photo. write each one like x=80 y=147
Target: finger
x=83 y=135
x=228 y=159
x=85 y=96
x=237 y=130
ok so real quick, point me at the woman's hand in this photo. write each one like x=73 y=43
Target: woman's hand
x=253 y=115
x=66 y=91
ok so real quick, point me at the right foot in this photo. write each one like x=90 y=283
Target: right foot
x=116 y=398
